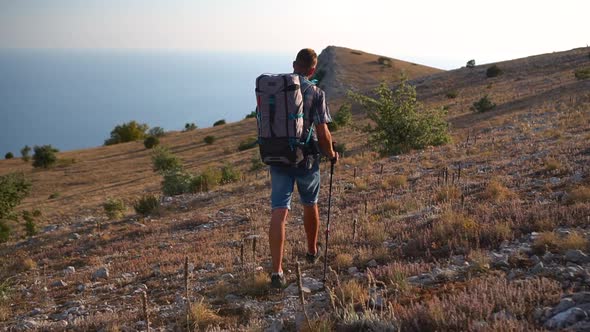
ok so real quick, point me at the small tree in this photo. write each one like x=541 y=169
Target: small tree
x=127 y=132
x=251 y=115
x=344 y=116
x=114 y=208
x=165 y=161
x=471 y=63
x=493 y=71
x=400 y=122
x=247 y=144
x=582 y=74
x=8 y=155
x=157 y=132
x=150 y=142
x=219 y=123
x=229 y=174
x=30 y=225
x=44 y=156
x=146 y=205
x=483 y=105
x=25 y=153
x=209 y=139
x=13 y=189
x=190 y=126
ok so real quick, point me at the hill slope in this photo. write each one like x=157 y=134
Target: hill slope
x=491 y=230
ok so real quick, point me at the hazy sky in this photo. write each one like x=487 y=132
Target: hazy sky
x=439 y=33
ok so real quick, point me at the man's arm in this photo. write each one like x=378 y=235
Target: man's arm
x=325 y=141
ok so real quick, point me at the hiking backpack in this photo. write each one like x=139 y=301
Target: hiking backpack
x=281 y=119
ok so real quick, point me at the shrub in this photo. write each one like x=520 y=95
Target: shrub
x=177 y=182
x=452 y=94
x=127 y=132
x=496 y=192
x=579 y=194
x=582 y=74
x=165 y=161
x=251 y=115
x=209 y=139
x=340 y=148
x=400 y=123
x=150 y=142
x=157 y=132
x=344 y=116
x=25 y=153
x=483 y=105
x=190 y=126
x=44 y=156
x=205 y=181
x=256 y=163
x=4 y=232
x=229 y=174
x=8 y=155
x=13 y=189
x=219 y=123
x=146 y=205
x=384 y=61
x=493 y=71
x=247 y=144
x=114 y=208
x=29 y=218
x=471 y=63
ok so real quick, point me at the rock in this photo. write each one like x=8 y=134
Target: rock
x=310 y=285
x=566 y=318
x=227 y=276
x=352 y=270
x=548 y=257
x=58 y=316
x=50 y=228
x=538 y=269
x=75 y=236
x=59 y=283
x=554 y=180
x=535 y=260
x=276 y=325
x=81 y=287
x=69 y=270
x=458 y=260
x=563 y=305
x=580 y=298
x=372 y=263
x=232 y=297
x=102 y=273
x=576 y=256
x=422 y=279
x=35 y=312
x=210 y=266
x=26 y=325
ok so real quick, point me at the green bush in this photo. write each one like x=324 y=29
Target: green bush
x=343 y=117
x=219 y=123
x=384 y=61
x=493 y=71
x=247 y=144
x=399 y=121
x=150 y=142
x=44 y=156
x=229 y=174
x=4 y=231
x=471 y=63
x=340 y=148
x=114 y=208
x=165 y=161
x=483 y=105
x=25 y=153
x=176 y=182
x=13 y=189
x=127 y=132
x=582 y=74
x=452 y=94
x=146 y=205
x=157 y=132
x=30 y=225
x=190 y=126
x=8 y=155
x=209 y=139
x=251 y=115
x=256 y=163
x=206 y=181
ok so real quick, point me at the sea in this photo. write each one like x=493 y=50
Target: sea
x=72 y=99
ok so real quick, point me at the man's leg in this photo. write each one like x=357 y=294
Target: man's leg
x=276 y=238
x=311 y=222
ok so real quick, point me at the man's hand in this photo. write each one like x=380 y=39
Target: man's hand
x=335 y=156
x=326 y=143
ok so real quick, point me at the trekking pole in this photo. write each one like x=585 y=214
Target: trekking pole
x=332 y=162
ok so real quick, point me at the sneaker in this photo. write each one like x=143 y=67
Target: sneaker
x=278 y=281
x=312 y=259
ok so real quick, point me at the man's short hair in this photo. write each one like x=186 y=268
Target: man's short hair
x=306 y=58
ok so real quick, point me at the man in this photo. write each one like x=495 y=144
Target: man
x=306 y=176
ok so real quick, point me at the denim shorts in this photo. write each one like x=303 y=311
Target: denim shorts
x=283 y=181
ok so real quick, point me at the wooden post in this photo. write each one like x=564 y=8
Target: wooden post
x=144 y=307
x=186 y=290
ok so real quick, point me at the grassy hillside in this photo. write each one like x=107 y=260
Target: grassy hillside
x=487 y=233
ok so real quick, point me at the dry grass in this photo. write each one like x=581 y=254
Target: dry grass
x=343 y=260
x=496 y=192
x=448 y=193
x=255 y=285
x=580 y=194
x=394 y=181
x=201 y=316
x=552 y=242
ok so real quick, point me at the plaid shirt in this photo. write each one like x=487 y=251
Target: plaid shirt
x=315 y=107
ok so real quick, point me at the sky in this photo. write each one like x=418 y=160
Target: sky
x=444 y=34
